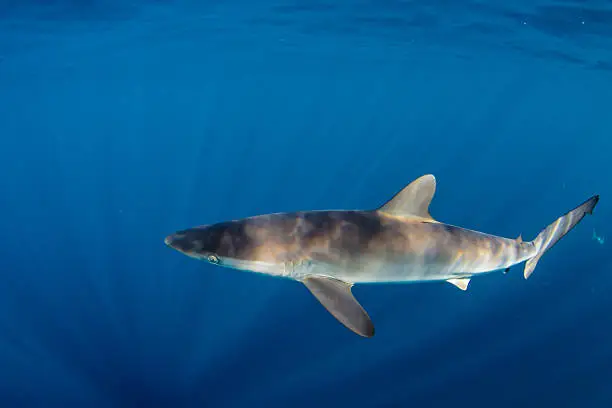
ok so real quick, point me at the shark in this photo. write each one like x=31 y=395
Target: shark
x=330 y=251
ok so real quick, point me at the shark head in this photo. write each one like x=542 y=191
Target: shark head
x=234 y=244
x=202 y=242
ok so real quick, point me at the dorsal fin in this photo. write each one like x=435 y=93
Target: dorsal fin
x=520 y=239
x=414 y=199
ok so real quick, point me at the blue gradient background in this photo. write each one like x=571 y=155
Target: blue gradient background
x=121 y=122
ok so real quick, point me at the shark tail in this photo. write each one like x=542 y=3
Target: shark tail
x=549 y=236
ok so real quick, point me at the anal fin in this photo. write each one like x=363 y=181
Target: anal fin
x=337 y=298
x=461 y=283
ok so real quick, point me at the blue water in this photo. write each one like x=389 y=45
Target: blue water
x=121 y=122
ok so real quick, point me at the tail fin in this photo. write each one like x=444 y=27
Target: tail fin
x=557 y=230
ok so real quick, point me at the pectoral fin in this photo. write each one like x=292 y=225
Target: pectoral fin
x=461 y=283
x=337 y=298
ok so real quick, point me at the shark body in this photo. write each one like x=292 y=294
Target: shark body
x=330 y=251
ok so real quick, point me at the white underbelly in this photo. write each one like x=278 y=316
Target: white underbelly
x=379 y=272
x=397 y=273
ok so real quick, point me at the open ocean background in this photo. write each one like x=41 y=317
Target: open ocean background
x=121 y=122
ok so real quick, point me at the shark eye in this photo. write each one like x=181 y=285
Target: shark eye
x=212 y=259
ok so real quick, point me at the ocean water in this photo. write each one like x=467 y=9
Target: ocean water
x=121 y=122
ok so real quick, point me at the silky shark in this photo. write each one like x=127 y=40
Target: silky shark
x=330 y=251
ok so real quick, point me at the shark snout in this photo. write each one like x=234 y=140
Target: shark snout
x=177 y=241
x=190 y=242
x=197 y=242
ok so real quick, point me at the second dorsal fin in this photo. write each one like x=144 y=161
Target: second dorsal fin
x=414 y=199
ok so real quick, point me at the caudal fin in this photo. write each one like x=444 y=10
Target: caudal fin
x=557 y=230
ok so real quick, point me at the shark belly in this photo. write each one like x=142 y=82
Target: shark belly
x=383 y=272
